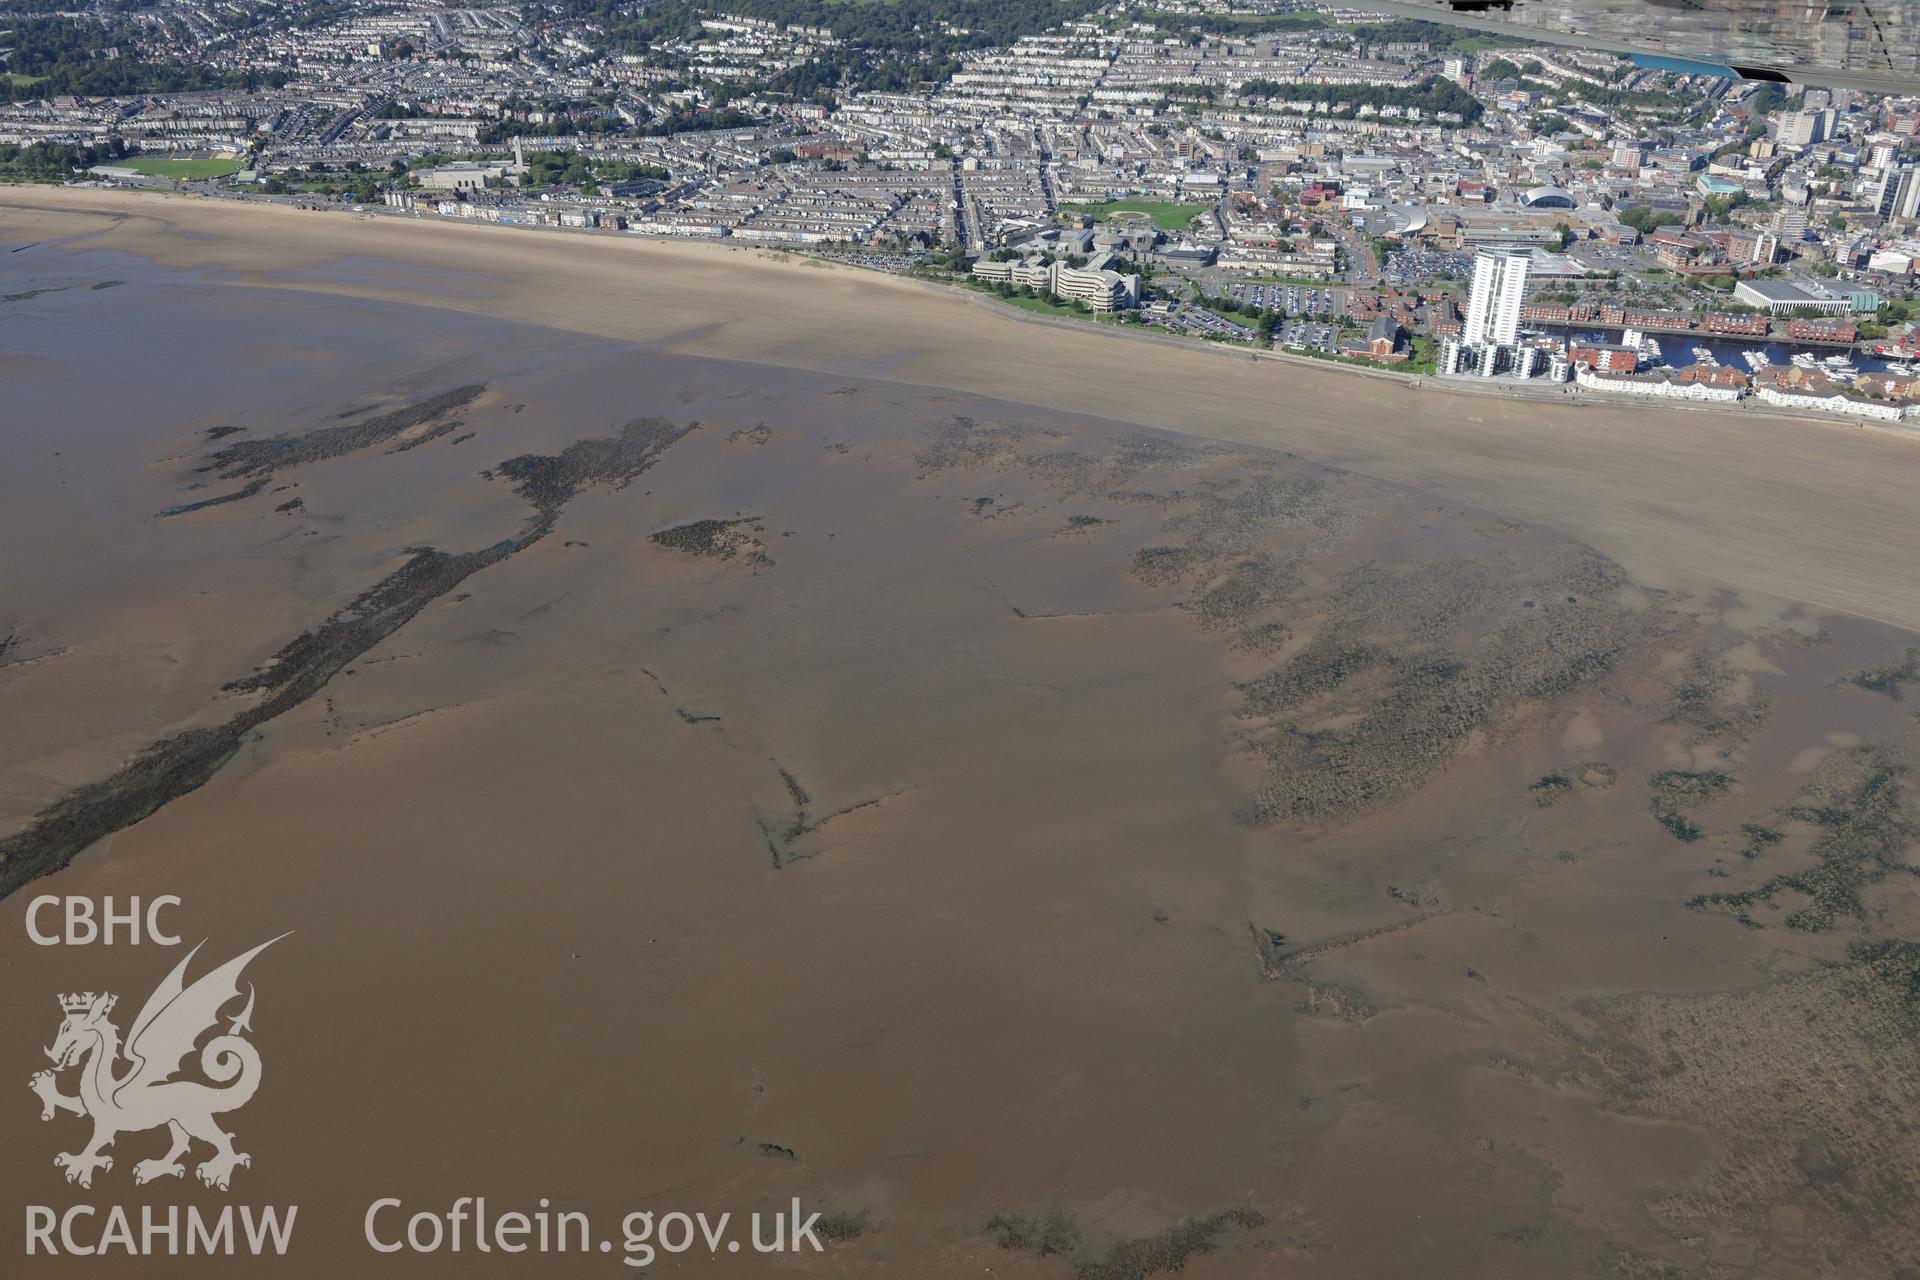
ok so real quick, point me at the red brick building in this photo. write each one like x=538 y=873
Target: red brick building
x=1748 y=326
x=1822 y=330
x=1606 y=359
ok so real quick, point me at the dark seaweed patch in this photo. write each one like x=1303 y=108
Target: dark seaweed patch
x=1890 y=681
x=549 y=481
x=172 y=768
x=245 y=491
x=1674 y=791
x=1863 y=826
x=261 y=457
x=716 y=539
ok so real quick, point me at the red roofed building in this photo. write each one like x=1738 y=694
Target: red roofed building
x=1609 y=359
x=1822 y=330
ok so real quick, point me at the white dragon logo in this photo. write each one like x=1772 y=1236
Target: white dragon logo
x=146 y=1095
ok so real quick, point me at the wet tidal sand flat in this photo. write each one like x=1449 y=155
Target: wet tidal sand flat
x=1042 y=842
x=1769 y=504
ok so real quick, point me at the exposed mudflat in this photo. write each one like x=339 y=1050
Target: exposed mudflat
x=1046 y=845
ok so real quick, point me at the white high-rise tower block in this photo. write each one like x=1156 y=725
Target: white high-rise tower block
x=1499 y=290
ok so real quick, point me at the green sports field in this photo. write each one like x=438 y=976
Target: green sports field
x=1165 y=214
x=186 y=169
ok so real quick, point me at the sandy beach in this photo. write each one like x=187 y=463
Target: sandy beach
x=1796 y=509
x=719 y=730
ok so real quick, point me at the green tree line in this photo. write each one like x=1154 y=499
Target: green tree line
x=1431 y=95
x=57 y=56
